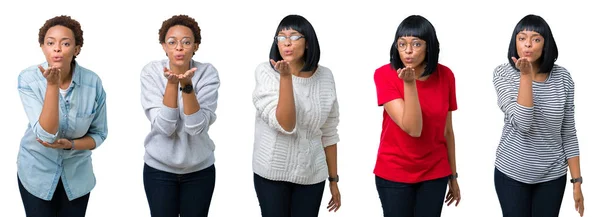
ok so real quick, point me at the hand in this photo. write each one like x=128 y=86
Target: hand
x=453 y=192
x=58 y=144
x=282 y=67
x=407 y=74
x=174 y=78
x=336 y=199
x=524 y=66
x=578 y=197
x=52 y=74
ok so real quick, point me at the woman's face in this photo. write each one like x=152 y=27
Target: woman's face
x=412 y=51
x=291 y=45
x=59 y=46
x=179 y=45
x=530 y=45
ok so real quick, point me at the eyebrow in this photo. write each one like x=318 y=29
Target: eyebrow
x=181 y=38
x=60 y=39
x=534 y=34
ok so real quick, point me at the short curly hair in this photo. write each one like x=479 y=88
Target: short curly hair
x=183 y=20
x=65 y=21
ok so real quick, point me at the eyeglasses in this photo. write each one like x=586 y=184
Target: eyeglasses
x=282 y=38
x=185 y=43
x=416 y=45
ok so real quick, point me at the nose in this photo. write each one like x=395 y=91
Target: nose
x=287 y=42
x=57 y=47
x=527 y=43
x=179 y=46
x=409 y=49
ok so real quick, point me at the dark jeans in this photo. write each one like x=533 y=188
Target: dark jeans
x=59 y=206
x=423 y=199
x=286 y=199
x=518 y=199
x=172 y=195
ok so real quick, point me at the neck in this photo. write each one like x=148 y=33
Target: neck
x=296 y=68
x=65 y=76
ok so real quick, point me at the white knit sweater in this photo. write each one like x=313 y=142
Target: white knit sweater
x=297 y=156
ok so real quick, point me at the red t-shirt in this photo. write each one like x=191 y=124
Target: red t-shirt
x=401 y=157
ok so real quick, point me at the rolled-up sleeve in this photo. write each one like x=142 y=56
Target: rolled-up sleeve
x=33 y=101
x=519 y=116
x=99 y=129
x=266 y=97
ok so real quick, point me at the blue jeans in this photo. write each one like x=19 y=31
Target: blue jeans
x=286 y=199
x=172 y=195
x=59 y=206
x=518 y=199
x=423 y=199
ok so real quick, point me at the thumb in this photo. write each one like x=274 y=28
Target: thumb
x=41 y=68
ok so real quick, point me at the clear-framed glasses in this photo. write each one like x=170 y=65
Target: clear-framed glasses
x=185 y=43
x=416 y=45
x=282 y=38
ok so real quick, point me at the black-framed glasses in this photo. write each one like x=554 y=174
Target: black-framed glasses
x=282 y=38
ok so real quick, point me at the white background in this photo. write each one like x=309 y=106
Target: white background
x=120 y=37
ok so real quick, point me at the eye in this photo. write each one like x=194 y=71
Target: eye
x=280 y=38
x=49 y=43
x=187 y=42
x=401 y=44
x=417 y=44
x=170 y=42
x=521 y=38
x=537 y=40
x=66 y=44
x=295 y=37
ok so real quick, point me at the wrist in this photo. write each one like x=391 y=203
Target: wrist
x=334 y=179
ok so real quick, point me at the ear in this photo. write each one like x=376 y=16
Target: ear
x=77 y=50
x=196 y=46
x=164 y=46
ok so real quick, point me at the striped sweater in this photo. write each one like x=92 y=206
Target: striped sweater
x=536 y=141
x=297 y=156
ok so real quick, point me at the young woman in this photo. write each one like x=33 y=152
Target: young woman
x=416 y=157
x=538 y=141
x=66 y=107
x=179 y=97
x=295 y=144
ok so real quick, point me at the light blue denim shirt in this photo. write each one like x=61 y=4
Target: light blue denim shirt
x=39 y=168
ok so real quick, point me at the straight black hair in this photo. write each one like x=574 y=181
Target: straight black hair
x=537 y=24
x=417 y=26
x=312 y=53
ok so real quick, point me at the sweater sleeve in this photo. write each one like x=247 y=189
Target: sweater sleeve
x=329 y=129
x=161 y=117
x=568 y=131
x=520 y=117
x=207 y=94
x=266 y=96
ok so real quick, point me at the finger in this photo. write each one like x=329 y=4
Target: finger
x=166 y=70
x=273 y=63
x=41 y=68
x=514 y=60
x=457 y=201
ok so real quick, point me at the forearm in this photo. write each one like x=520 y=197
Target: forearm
x=48 y=119
x=170 y=97
x=450 y=145
x=84 y=143
x=331 y=158
x=574 y=169
x=190 y=102
x=286 y=109
x=525 y=96
x=412 y=119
